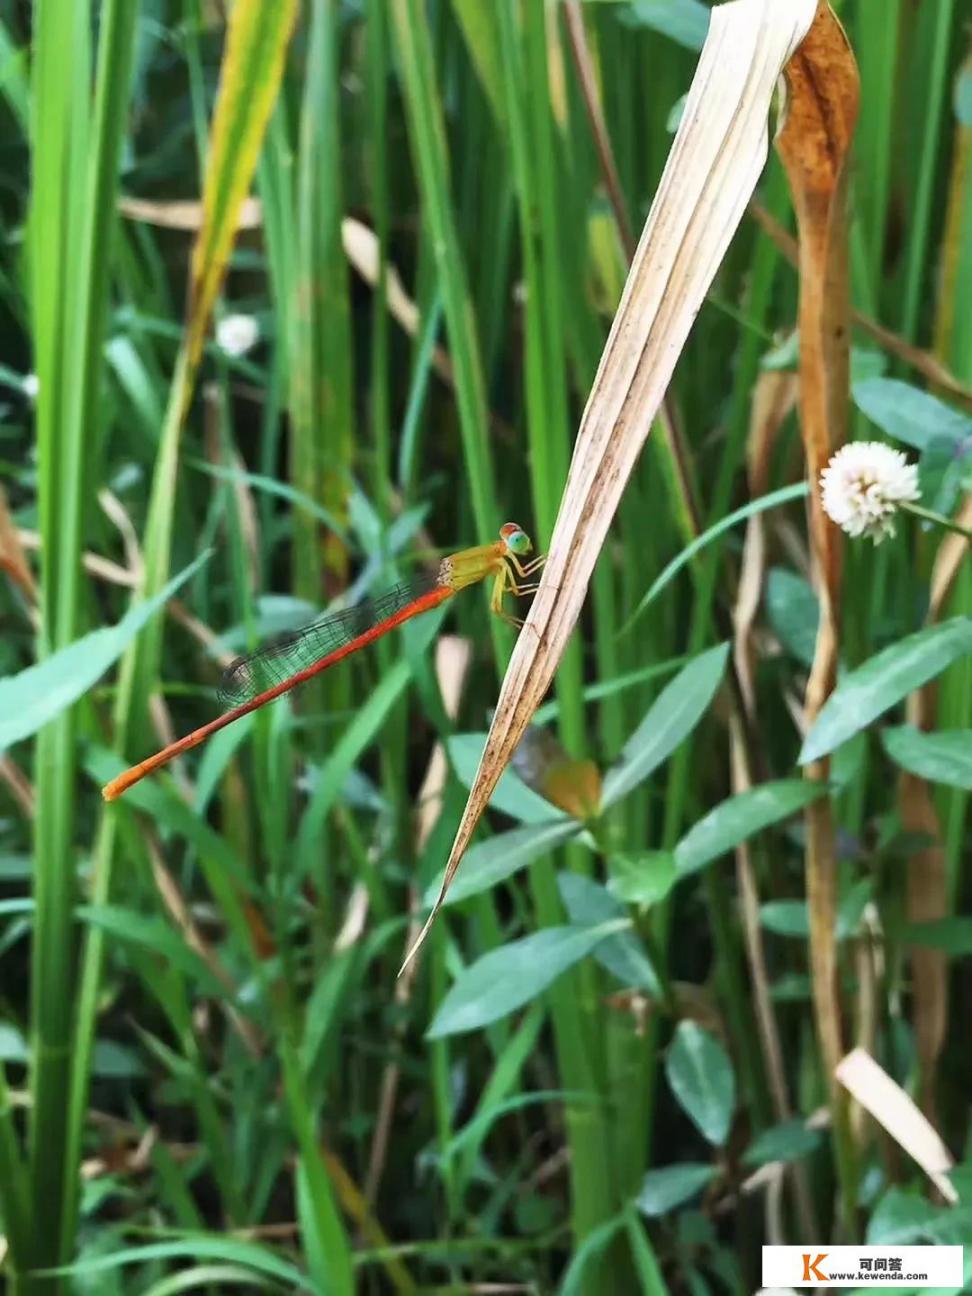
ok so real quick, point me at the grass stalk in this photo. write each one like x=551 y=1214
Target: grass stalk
x=428 y=141
x=533 y=148
x=76 y=182
x=255 y=47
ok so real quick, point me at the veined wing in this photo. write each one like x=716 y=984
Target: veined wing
x=289 y=654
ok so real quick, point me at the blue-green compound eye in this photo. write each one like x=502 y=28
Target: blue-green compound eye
x=516 y=539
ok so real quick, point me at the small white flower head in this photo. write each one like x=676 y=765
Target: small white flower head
x=30 y=386
x=237 y=334
x=863 y=486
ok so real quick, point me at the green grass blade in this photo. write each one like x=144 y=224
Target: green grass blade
x=73 y=214
x=253 y=66
x=429 y=147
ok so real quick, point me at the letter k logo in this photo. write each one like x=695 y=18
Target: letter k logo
x=810 y=1269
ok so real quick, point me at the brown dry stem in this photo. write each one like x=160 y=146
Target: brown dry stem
x=814 y=145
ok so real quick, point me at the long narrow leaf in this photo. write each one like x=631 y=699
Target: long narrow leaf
x=507 y=978
x=864 y=694
x=38 y=694
x=774 y=498
x=677 y=710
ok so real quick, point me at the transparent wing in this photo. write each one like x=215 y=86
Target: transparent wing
x=290 y=653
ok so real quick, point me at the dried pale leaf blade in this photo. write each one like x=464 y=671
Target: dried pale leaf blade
x=715 y=161
x=185 y=213
x=891 y=1107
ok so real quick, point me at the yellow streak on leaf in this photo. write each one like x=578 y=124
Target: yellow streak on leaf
x=256 y=43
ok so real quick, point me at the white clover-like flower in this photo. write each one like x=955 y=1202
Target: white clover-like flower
x=864 y=485
x=237 y=334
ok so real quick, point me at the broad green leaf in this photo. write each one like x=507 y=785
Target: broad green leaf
x=908 y=414
x=701 y=1078
x=256 y=44
x=609 y=687
x=786 y=918
x=39 y=693
x=664 y=1189
x=684 y=21
x=675 y=713
x=512 y=796
x=848 y=761
x=14 y=868
x=13 y=1046
x=903 y=1218
x=943 y=473
x=114 y=1061
x=772 y=500
x=500 y=857
x=951 y=935
x=850 y=909
x=943 y=757
x=883 y=680
x=623 y=954
x=793 y=612
x=866 y=363
x=792 y=918
x=789 y=1141
x=644 y=879
x=739 y=817
x=791 y=987
x=506 y=978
